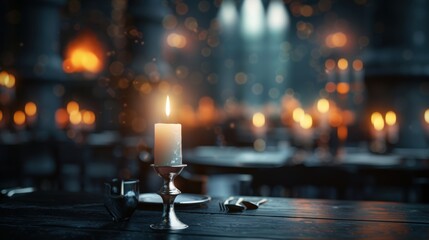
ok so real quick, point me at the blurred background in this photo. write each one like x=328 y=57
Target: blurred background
x=293 y=98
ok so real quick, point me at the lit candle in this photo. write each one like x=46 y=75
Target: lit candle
x=379 y=142
x=392 y=127
x=168 y=141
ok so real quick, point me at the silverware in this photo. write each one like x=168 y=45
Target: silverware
x=251 y=205
x=121 y=198
x=229 y=207
x=10 y=192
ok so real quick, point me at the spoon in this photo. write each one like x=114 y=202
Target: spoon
x=234 y=207
x=251 y=206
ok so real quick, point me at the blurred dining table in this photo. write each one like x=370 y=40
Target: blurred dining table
x=65 y=215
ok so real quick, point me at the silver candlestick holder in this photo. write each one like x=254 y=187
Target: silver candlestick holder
x=168 y=193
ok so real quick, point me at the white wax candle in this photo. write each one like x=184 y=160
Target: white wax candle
x=168 y=144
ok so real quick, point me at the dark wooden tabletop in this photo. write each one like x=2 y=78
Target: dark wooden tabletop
x=60 y=215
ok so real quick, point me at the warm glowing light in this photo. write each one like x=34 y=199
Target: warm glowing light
x=377 y=121
x=84 y=54
x=1 y=115
x=390 y=118
x=228 y=14
x=357 y=65
x=335 y=119
x=176 y=40
x=330 y=87
x=426 y=116
x=330 y=64
x=75 y=117
x=343 y=64
x=30 y=109
x=298 y=114
x=252 y=12
x=11 y=82
x=167 y=106
x=61 y=117
x=342 y=133
x=19 y=117
x=7 y=80
x=323 y=105
x=343 y=88
x=4 y=77
x=306 y=121
x=336 y=40
x=278 y=18
x=258 y=119
x=72 y=106
x=88 y=117
x=206 y=110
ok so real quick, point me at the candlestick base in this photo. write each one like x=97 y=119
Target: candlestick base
x=168 y=193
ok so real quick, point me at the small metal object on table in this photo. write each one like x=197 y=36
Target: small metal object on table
x=168 y=193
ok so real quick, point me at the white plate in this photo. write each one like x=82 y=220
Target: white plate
x=182 y=199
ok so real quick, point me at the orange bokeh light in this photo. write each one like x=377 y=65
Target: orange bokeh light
x=336 y=40
x=75 y=118
x=306 y=121
x=330 y=64
x=343 y=64
x=323 y=105
x=61 y=117
x=72 y=106
x=88 y=117
x=19 y=117
x=330 y=87
x=390 y=118
x=377 y=121
x=343 y=88
x=176 y=40
x=30 y=109
x=206 y=110
x=84 y=54
x=258 y=119
x=7 y=80
x=357 y=65
x=342 y=132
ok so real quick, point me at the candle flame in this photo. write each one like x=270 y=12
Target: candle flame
x=258 y=119
x=323 y=105
x=377 y=121
x=167 y=106
x=390 y=118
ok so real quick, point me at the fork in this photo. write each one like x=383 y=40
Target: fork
x=227 y=207
x=222 y=205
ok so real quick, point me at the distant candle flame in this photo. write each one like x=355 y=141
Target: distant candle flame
x=30 y=109
x=167 y=106
x=258 y=119
x=377 y=121
x=7 y=79
x=298 y=114
x=84 y=54
x=306 y=121
x=390 y=118
x=323 y=105
x=19 y=117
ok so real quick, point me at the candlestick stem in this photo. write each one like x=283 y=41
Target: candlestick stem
x=168 y=193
